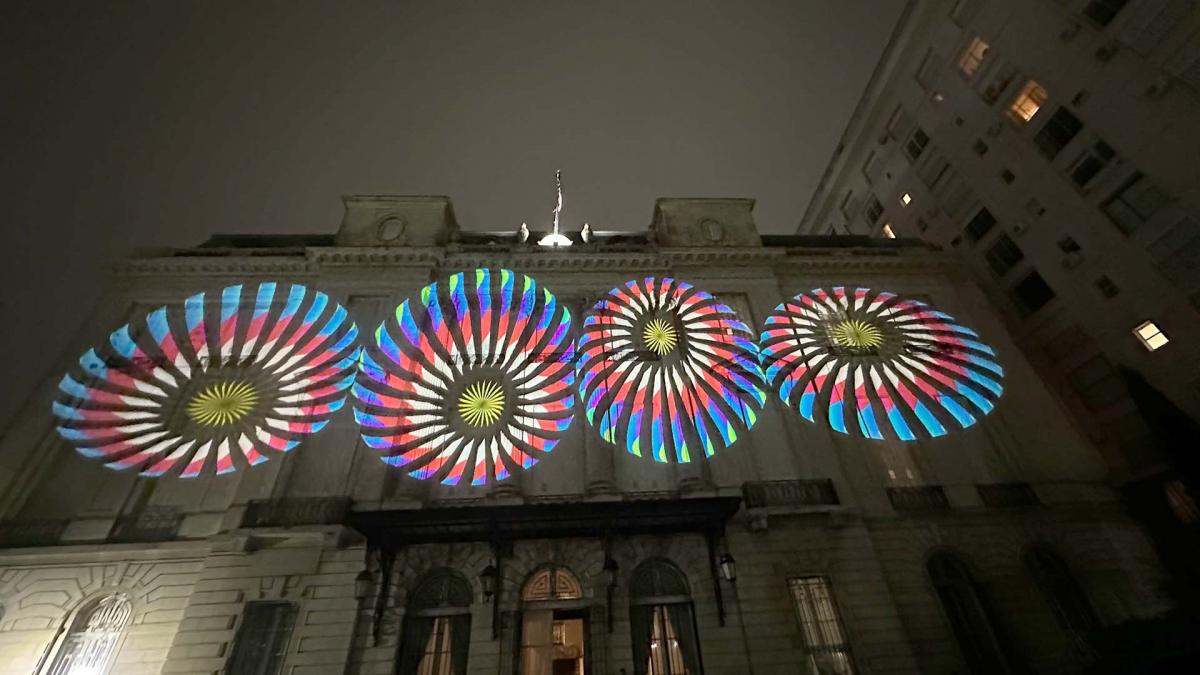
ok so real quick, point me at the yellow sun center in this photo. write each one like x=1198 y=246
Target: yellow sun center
x=659 y=335
x=481 y=403
x=222 y=403
x=856 y=334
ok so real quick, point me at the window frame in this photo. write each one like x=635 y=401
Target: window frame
x=975 y=60
x=996 y=259
x=284 y=637
x=1057 y=133
x=1028 y=92
x=76 y=624
x=845 y=647
x=1130 y=207
x=1149 y=341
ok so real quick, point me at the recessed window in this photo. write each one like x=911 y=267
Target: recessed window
x=1107 y=288
x=973 y=57
x=824 y=638
x=1032 y=293
x=905 y=199
x=1103 y=11
x=872 y=167
x=916 y=144
x=873 y=211
x=847 y=207
x=1151 y=335
x=1136 y=202
x=980 y=224
x=980 y=147
x=1091 y=162
x=1057 y=132
x=999 y=80
x=888 y=232
x=927 y=73
x=1004 y=255
x=922 y=225
x=1028 y=102
x=1007 y=176
x=898 y=123
x=1068 y=245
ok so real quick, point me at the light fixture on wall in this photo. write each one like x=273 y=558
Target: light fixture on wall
x=487 y=580
x=363 y=583
x=610 y=572
x=728 y=568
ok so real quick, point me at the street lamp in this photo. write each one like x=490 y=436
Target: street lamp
x=487 y=579
x=610 y=572
x=728 y=567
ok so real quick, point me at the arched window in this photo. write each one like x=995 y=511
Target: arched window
x=662 y=621
x=553 y=623
x=552 y=583
x=437 y=626
x=92 y=640
x=1067 y=600
x=968 y=618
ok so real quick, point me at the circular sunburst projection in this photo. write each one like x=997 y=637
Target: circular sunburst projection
x=474 y=377
x=667 y=369
x=925 y=372
x=215 y=382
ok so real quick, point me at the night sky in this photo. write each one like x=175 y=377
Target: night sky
x=159 y=123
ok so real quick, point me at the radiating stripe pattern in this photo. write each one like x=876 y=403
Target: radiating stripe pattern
x=472 y=379
x=877 y=365
x=218 y=382
x=669 y=371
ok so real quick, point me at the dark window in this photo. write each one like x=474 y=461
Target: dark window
x=1032 y=293
x=873 y=211
x=969 y=619
x=1057 y=132
x=1092 y=162
x=916 y=144
x=1066 y=599
x=1003 y=255
x=1097 y=383
x=980 y=147
x=980 y=225
x=662 y=621
x=437 y=626
x=1136 y=202
x=1068 y=245
x=1107 y=287
x=1007 y=176
x=821 y=624
x=1103 y=11
x=262 y=639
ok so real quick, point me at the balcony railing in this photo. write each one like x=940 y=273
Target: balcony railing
x=293 y=512
x=152 y=524
x=815 y=492
x=1007 y=495
x=21 y=534
x=918 y=498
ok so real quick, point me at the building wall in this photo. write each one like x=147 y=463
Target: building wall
x=212 y=562
x=1133 y=85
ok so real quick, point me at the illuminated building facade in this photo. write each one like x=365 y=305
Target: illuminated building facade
x=1050 y=145
x=691 y=449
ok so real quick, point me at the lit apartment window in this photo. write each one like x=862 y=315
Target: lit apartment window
x=824 y=637
x=1103 y=11
x=1028 y=102
x=888 y=232
x=916 y=144
x=1135 y=203
x=1003 y=255
x=1151 y=335
x=973 y=57
x=1059 y=130
x=1091 y=162
x=905 y=199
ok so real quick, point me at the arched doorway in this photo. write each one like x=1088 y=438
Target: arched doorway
x=662 y=620
x=437 y=626
x=554 y=624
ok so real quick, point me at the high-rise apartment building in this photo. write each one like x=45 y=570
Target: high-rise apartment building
x=1054 y=145
x=407 y=448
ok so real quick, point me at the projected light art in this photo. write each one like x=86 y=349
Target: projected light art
x=474 y=378
x=668 y=370
x=217 y=382
x=916 y=366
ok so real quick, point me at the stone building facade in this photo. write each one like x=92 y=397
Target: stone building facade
x=797 y=549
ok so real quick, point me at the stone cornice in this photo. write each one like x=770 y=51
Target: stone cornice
x=369 y=256
x=204 y=265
